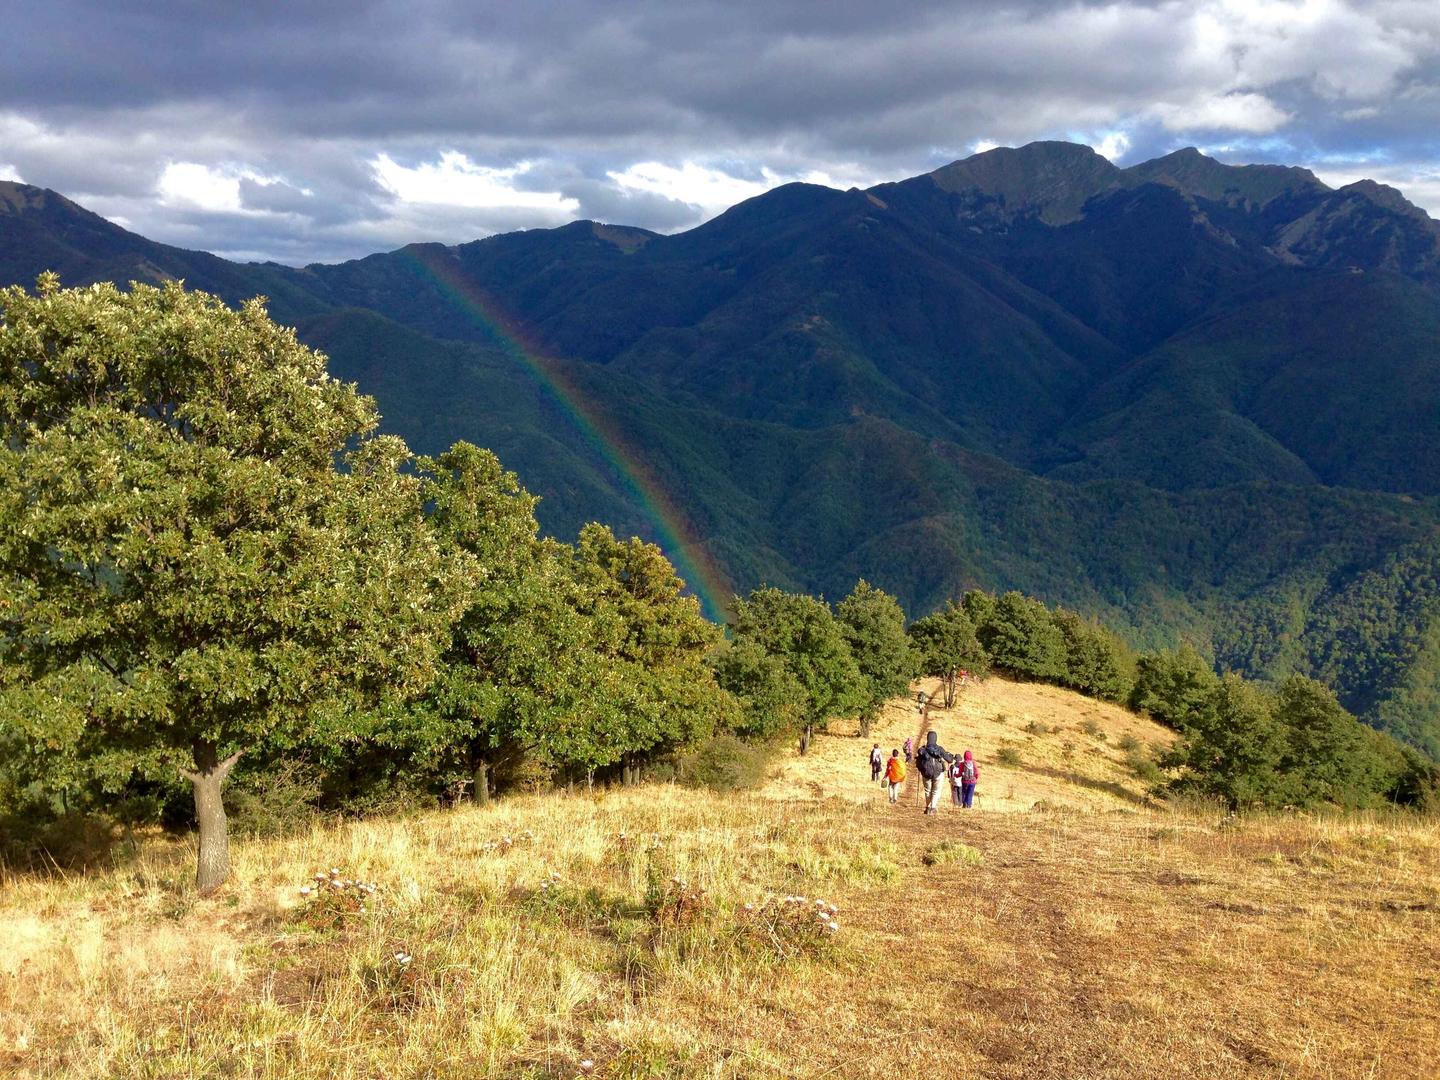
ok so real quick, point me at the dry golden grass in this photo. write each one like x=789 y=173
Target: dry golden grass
x=1095 y=938
x=1062 y=765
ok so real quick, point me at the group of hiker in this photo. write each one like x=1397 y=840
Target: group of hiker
x=935 y=765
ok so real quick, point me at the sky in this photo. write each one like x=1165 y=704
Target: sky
x=320 y=130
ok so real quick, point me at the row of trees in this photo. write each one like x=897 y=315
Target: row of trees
x=210 y=559
x=1246 y=743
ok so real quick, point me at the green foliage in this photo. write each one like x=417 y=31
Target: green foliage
x=1097 y=663
x=652 y=689
x=187 y=575
x=1326 y=755
x=770 y=698
x=802 y=633
x=873 y=625
x=1175 y=688
x=1250 y=746
x=1231 y=743
x=1021 y=636
x=725 y=763
x=945 y=644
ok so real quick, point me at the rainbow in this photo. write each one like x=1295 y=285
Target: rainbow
x=674 y=532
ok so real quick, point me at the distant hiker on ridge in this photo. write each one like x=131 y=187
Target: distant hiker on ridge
x=931 y=763
x=895 y=775
x=909 y=749
x=877 y=763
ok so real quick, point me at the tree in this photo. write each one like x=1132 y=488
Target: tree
x=660 y=692
x=1096 y=662
x=1327 y=756
x=771 y=699
x=187 y=575
x=1232 y=747
x=1021 y=637
x=873 y=624
x=513 y=672
x=945 y=644
x=1175 y=688
x=802 y=633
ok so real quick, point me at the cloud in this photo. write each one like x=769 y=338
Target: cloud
x=455 y=180
x=1253 y=114
x=329 y=129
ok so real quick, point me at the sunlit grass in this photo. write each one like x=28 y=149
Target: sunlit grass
x=1098 y=935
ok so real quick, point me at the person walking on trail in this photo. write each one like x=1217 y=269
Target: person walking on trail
x=877 y=764
x=955 y=771
x=909 y=750
x=969 y=777
x=931 y=762
x=895 y=775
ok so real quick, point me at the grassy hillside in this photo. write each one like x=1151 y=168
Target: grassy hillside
x=1091 y=935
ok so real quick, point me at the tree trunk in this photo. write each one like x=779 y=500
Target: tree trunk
x=866 y=721
x=208 y=781
x=950 y=690
x=480 y=782
x=805 y=738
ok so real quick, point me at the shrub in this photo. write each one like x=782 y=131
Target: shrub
x=332 y=900
x=1128 y=743
x=789 y=926
x=725 y=763
x=947 y=852
x=1144 y=767
x=73 y=841
x=1009 y=755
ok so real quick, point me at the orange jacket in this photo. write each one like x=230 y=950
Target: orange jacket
x=895 y=771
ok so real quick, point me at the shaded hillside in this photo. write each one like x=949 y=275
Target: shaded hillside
x=1198 y=399
x=1333 y=379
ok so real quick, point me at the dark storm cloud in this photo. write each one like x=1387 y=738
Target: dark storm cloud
x=256 y=129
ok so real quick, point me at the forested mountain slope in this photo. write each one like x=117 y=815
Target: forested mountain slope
x=1201 y=400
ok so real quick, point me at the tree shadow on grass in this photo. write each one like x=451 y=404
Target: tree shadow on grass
x=1110 y=787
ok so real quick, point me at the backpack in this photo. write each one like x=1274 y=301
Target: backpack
x=969 y=773
x=931 y=764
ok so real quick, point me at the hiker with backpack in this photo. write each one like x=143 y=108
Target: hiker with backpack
x=931 y=762
x=968 y=775
x=956 y=769
x=909 y=750
x=877 y=764
x=895 y=775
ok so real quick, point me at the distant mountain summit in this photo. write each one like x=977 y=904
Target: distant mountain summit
x=1051 y=180
x=1201 y=400
x=1251 y=186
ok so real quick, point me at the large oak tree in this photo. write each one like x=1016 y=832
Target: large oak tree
x=203 y=546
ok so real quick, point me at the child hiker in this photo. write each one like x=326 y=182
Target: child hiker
x=969 y=777
x=895 y=775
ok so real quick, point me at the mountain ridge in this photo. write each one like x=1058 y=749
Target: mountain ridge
x=1200 y=400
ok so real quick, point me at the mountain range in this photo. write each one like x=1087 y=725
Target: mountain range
x=1196 y=400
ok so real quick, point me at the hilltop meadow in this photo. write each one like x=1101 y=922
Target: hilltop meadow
x=1069 y=926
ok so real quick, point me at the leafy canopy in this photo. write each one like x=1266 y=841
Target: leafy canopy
x=184 y=571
